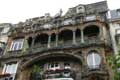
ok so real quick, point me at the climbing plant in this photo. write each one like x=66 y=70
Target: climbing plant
x=114 y=63
x=36 y=69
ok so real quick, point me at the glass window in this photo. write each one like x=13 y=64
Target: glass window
x=90 y=17
x=93 y=60
x=68 y=22
x=10 y=68
x=17 y=44
x=53 y=66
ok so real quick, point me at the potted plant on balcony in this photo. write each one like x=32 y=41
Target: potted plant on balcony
x=36 y=73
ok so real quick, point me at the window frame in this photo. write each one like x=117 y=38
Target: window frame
x=95 y=63
x=16 y=44
x=13 y=66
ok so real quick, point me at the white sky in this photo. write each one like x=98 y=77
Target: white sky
x=14 y=11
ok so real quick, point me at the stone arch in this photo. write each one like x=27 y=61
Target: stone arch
x=66 y=35
x=98 y=25
x=48 y=55
x=94 y=50
x=66 y=28
x=91 y=30
x=41 y=38
x=91 y=23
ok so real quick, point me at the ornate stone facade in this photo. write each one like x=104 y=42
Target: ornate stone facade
x=73 y=46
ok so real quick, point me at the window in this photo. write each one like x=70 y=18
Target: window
x=90 y=17
x=80 y=9
x=16 y=45
x=93 y=60
x=53 y=66
x=10 y=68
x=67 y=22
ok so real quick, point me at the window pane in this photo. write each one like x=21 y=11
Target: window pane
x=17 y=44
x=11 y=68
x=97 y=59
x=14 y=46
x=93 y=60
x=90 y=60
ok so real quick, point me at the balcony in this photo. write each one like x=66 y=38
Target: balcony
x=53 y=74
x=91 y=70
x=68 y=44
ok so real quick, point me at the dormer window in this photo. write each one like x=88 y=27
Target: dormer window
x=80 y=9
x=16 y=45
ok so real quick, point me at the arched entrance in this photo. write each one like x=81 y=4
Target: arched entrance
x=55 y=66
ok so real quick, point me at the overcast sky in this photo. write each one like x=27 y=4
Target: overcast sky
x=13 y=11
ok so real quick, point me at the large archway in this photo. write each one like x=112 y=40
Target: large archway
x=56 y=63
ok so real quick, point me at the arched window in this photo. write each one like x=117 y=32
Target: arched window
x=93 y=59
x=91 y=31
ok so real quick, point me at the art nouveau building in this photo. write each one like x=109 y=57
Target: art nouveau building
x=114 y=22
x=73 y=46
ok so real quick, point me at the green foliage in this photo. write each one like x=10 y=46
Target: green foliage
x=36 y=69
x=114 y=62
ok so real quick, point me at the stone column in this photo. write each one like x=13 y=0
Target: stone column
x=33 y=41
x=82 y=36
x=74 y=37
x=49 y=41
x=56 y=44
